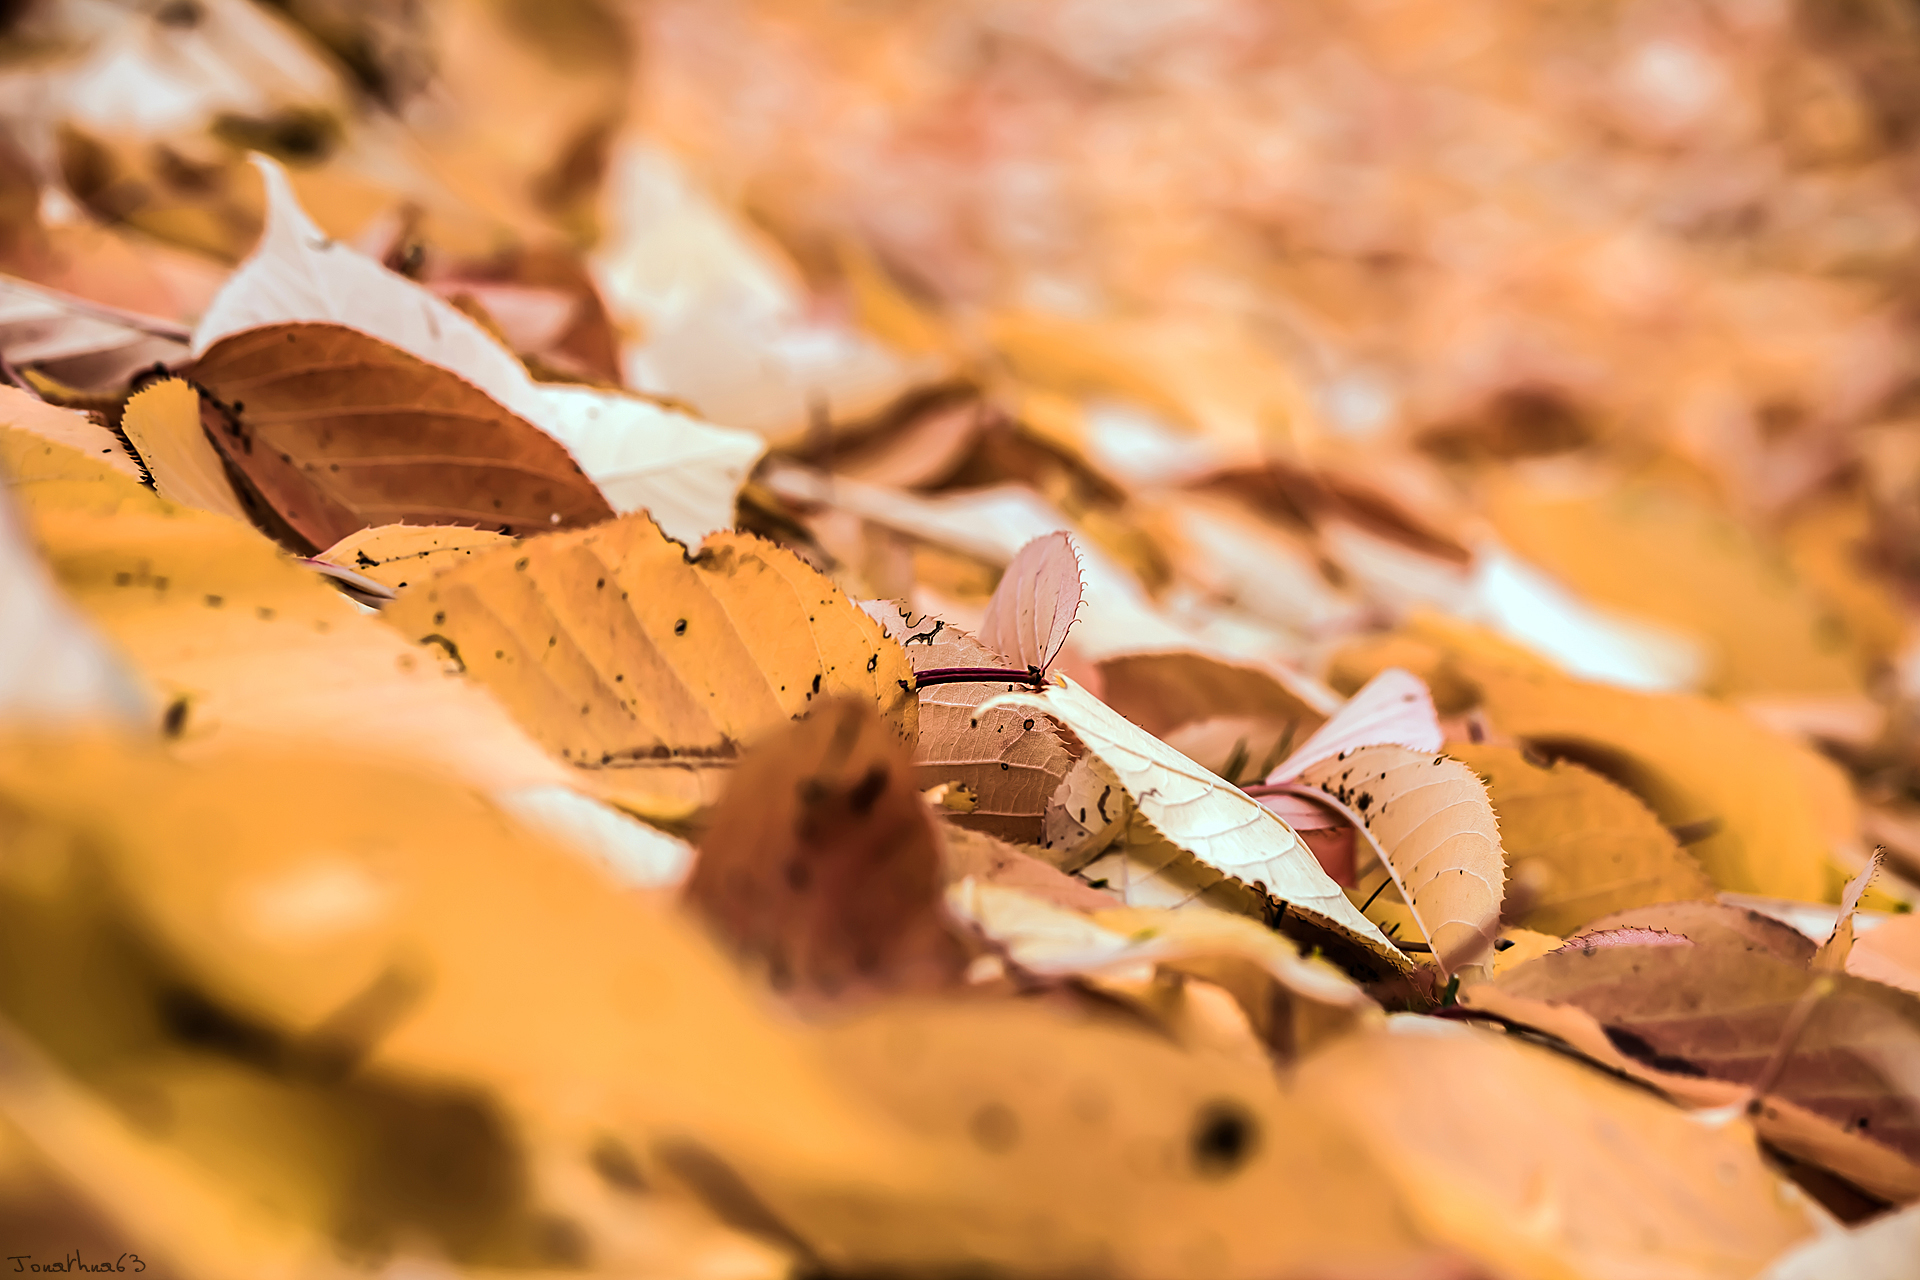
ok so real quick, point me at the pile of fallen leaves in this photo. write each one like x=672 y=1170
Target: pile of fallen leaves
x=745 y=639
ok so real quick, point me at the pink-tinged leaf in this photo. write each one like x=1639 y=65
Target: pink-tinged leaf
x=1393 y=709
x=1036 y=602
x=1629 y=937
x=1301 y=813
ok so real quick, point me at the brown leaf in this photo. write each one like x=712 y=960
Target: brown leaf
x=1847 y=1051
x=822 y=866
x=647 y=667
x=1035 y=605
x=1578 y=846
x=1011 y=760
x=84 y=344
x=336 y=431
x=973 y=853
x=1716 y=924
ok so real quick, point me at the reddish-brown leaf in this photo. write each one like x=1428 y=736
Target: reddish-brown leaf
x=1845 y=1049
x=822 y=868
x=335 y=431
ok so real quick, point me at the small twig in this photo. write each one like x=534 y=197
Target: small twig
x=1376 y=893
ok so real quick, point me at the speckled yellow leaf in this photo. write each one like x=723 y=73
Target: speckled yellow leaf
x=648 y=667
x=24 y=411
x=238 y=641
x=163 y=423
x=399 y=555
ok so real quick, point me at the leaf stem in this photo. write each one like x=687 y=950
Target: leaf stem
x=979 y=675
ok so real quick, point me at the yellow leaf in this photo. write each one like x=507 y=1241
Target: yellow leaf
x=1578 y=847
x=399 y=554
x=1761 y=813
x=1540 y=1167
x=239 y=641
x=163 y=422
x=1669 y=556
x=646 y=667
x=24 y=411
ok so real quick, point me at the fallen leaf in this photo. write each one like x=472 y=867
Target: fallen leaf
x=1036 y=603
x=1577 y=846
x=1628 y=1185
x=337 y=432
x=81 y=343
x=237 y=641
x=1880 y=1249
x=1392 y=708
x=162 y=422
x=24 y=411
x=1833 y=953
x=1662 y=552
x=397 y=554
x=1714 y=924
x=1210 y=704
x=642 y=456
x=1220 y=828
x=1430 y=819
x=822 y=866
x=648 y=669
x=1890 y=954
x=1842 y=1048
x=1011 y=763
x=969 y=854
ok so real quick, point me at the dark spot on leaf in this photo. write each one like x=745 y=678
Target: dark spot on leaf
x=680 y=627
x=1225 y=1135
x=174 y=721
x=868 y=789
x=214 y=602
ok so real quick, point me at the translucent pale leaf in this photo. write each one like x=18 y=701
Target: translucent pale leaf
x=1213 y=820
x=1036 y=602
x=1430 y=817
x=1393 y=707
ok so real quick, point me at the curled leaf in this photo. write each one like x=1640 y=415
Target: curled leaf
x=1392 y=708
x=1430 y=818
x=1207 y=820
